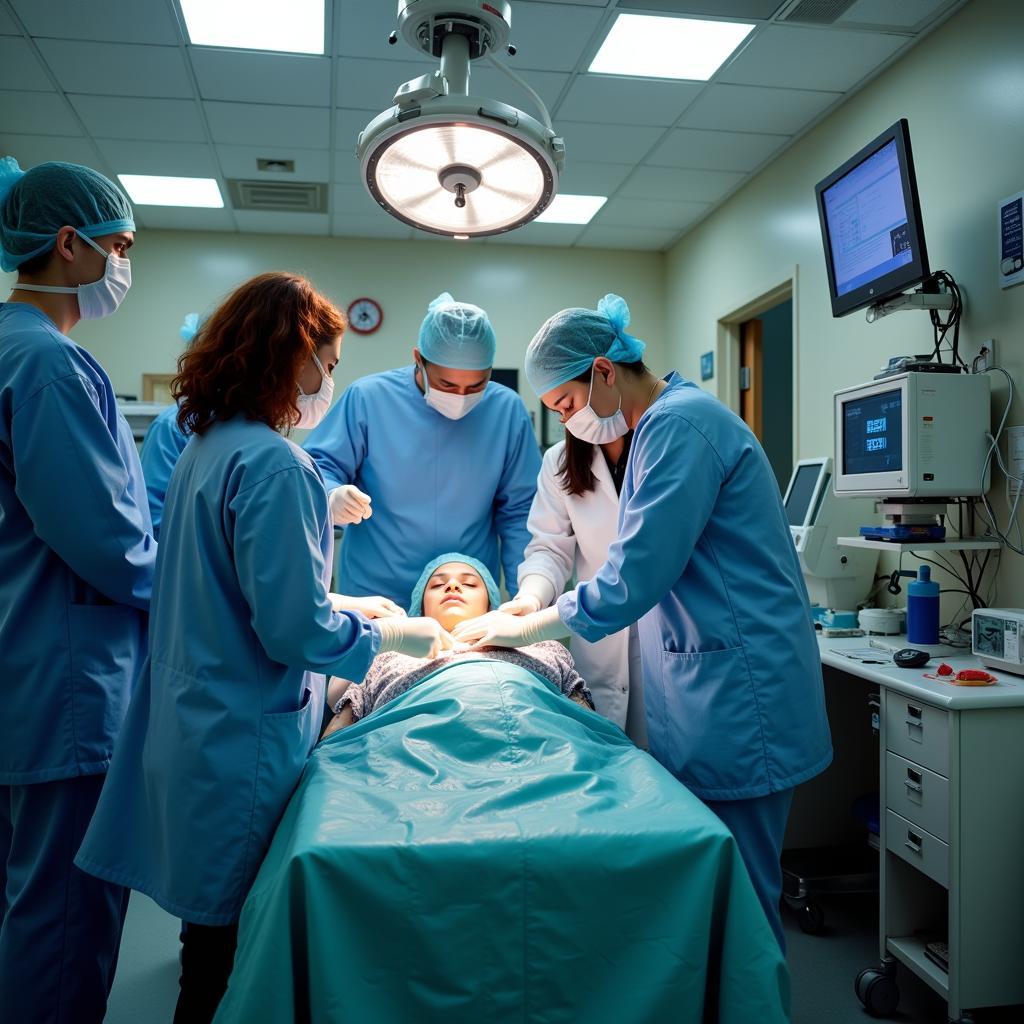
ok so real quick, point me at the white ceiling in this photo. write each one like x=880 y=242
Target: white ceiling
x=115 y=84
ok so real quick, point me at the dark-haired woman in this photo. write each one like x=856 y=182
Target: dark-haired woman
x=242 y=630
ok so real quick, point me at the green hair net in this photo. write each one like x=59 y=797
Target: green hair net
x=416 y=604
x=36 y=204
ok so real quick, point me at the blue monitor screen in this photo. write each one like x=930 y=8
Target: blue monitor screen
x=873 y=433
x=867 y=221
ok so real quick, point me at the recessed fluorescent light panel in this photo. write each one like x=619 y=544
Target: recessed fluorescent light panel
x=293 y=27
x=652 y=47
x=565 y=209
x=156 y=190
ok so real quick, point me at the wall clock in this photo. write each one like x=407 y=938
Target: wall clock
x=365 y=315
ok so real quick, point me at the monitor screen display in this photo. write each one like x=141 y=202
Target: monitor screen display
x=867 y=221
x=801 y=490
x=873 y=433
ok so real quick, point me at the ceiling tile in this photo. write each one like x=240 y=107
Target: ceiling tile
x=675 y=183
x=371 y=84
x=117 y=69
x=8 y=27
x=362 y=29
x=30 y=150
x=36 y=113
x=619 y=100
x=646 y=213
x=907 y=14
x=595 y=143
x=720 y=151
x=755 y=9
x=122 y=117
x=596 y=237
x=20 y=68
x=550 y=37
x=188 y=159
x=539 y=234
x=377 y=226
x=491 y=84
x=113 y=21
x=750 y=108
x=580 y=179
x=240 y=162
x=275 y=223
x=253 y=124
x=810 y=58
x=184 y=218
x=281 y=78
x=355 y=201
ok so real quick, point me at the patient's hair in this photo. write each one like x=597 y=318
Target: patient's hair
x=247 y=355
x=575 y=466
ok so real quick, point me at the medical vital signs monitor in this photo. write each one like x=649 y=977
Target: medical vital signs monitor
x=871 y=223
x=913 y=435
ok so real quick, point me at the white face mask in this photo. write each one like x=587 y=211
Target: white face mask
x=313 y=408
x=447 y=404
x=99 y=298
x=588 y=426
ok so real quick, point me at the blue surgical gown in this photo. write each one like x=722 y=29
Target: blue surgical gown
x=161 y=448
x=704 y=560
x=437 y=484
x=231 y=700
x=76 y=555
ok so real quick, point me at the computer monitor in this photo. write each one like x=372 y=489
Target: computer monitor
x=871 y=223
x=913 y=435
x=806 y=487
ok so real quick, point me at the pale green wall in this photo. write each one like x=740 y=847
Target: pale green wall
x=520 y=286
x=962 y=89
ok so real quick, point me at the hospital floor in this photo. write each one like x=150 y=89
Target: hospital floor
x=823 y=968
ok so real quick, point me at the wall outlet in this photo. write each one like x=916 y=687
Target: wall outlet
x=983 y=351
x=1015 y=456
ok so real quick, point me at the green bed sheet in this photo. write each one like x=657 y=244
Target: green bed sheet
x=480 y=850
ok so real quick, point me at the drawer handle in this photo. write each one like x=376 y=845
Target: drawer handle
x=914 y=724
x=913 y=780
x=913 y=843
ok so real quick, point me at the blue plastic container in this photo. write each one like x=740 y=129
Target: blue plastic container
x=923 y=609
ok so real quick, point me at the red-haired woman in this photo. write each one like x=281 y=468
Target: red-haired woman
x=242 y=630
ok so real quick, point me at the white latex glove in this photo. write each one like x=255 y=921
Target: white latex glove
x=419 y=637
x=371 y=607
x=349 y=505
x=535 y=592
x=521 y=604
x=499 y=629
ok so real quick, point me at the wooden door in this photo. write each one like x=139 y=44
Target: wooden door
x=752 y=377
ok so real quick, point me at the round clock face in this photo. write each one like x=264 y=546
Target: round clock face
x=365 y=316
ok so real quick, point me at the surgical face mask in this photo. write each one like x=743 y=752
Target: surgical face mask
x=99 y=298
x=588 y=426
x=313 y=408
x=447 y=404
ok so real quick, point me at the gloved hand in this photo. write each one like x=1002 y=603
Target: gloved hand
x=371 y=607
x=419 y=637
x=499 y=629
x=535 y=592
x=521 y=604
x=349 y=505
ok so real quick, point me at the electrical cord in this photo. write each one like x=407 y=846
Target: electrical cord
x=989 y=518
x=522 y=83
x=940 y=327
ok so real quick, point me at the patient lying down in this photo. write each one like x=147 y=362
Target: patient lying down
x=452 y=589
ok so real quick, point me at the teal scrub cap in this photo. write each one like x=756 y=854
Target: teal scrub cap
x=36 y=204
x=189 y=327
x=457 y=335
x=416 y=604
x=568 y=343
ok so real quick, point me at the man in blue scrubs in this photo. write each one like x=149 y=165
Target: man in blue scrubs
x=431 y=457
x=76 y=570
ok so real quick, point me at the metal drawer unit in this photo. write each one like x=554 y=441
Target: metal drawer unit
x=918 y=732
x=917 y=794
x=917 y=847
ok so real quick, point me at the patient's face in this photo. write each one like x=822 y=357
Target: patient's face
x=455 y=593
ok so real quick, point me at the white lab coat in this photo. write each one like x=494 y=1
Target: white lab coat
x=572 y=533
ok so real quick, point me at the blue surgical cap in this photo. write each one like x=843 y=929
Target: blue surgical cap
x=416 y=604
x=568 y=343
x=457 y=335
x=189 y=327
x=36 y=204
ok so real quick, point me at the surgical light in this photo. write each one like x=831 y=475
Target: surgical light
x=647 y=46
x=160 y=190
x=445 y=161
x=294 y=27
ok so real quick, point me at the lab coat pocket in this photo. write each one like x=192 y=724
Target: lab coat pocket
x=107 y=643
x=713 y=736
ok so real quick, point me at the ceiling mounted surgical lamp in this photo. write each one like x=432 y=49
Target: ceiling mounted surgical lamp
x=447 y=162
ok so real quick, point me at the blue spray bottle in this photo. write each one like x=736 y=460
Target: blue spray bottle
x=923 y=609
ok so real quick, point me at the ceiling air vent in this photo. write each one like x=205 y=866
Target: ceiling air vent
x=279 y=196
x=817 y=12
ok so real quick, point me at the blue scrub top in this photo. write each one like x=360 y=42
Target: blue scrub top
x=76 y=555
x=231 y=700
x=161 y=448
x=704 y=560
x=437 y=484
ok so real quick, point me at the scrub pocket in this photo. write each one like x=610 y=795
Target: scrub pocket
x=106 y=652
x=714 y=741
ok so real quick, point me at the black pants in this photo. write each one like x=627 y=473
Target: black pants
x=207 y=954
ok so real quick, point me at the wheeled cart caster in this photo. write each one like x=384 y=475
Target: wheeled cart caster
x=811 y=918
x=877 y=991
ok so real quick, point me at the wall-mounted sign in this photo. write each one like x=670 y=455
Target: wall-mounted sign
x=707 y=366
x=1011 y=241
